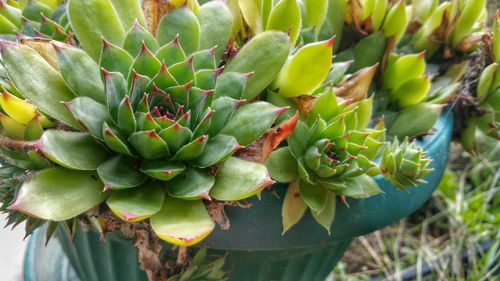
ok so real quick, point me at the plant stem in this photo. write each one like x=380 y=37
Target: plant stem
x=16 y=144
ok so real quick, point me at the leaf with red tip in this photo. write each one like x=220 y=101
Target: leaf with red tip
x=180 y=93
x=162 y=169
x=206 y=78
x=282 y=166
x=137 y=204
x=72 y=150
x=126 y=118
x=146 y=122
x=116 y=89
x=238 y=179
x=171 y=53
x=90 y=114
x=327 y=215
x=80 y=72
x=149 y=144
x=183 y=71
x=231 y=84
x=119 y=173
x=204 y=59
x=217 y=150
x=223 y=108
x=191 y=184
x=176 y=136
x=135 y=38
x=182 y=222
x=138 y=86
x=114 y=58
x=115 y=140
x=163 y=79
x=146 y=63
x=183 y=23
x=191 y=150
x=48 y=197
x=197 y=101
x=361 y=187
x=251 y=121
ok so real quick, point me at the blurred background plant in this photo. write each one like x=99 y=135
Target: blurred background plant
x=455 y=236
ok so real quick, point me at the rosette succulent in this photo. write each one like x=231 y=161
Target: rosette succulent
x=148 y=123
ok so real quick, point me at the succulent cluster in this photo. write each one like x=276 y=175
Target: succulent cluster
x=147 y=123
x=404 y=164
x=41 y=18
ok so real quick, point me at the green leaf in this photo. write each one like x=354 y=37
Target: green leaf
x=192 y=184
x=135 y=37
x=149 y=144
x=361 y=187
x=315 y=13
x=314 y=196
x=326 y=106
x=264 y=55
x=125 y=117
x=119 y=172
x=299 y=76
x=59 y=194
x=115 y=59
x=72 y=150
x=215 y=27
x=93 y=19
x=327 y=215
x=282 y=166
x=162 y=169
x=293 y=208
x=191 y=150
x=115 y=140
x=251 y=121
x=238 y=179
x=171 y=53
x=80 y=72
x=129 y=11
x=223 y=108
x=38 y=81
x=217 y=150
x=183 y=22
x=285 y=16
x=182 y=222
x=176 y=136
x=90 y=114
x=137 y=204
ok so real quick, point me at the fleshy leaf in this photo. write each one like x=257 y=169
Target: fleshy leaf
x=243 y=125
x=149 y=144
x=162 y=170
x=48 y=197
x=282 y=166
x=135 y=36
x=72 y=150
x=180 y=22
x=215 y=26
x=90 y=114
x=217 y=150
x=119 y=173
x=192 y=184
x=191 y=150
x=115 y=140
x=137 y=204
x=285 y=16
x=361 y=187
x=326 y=216
x=80 y=72
x=238 y=179
x=230 y=84
x=293 y=208
x=116 y=59
x=38 y=81
x=182 y=222
x=314 y=196
x=264 y=55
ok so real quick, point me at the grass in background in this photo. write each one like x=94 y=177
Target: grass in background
x=455 y=236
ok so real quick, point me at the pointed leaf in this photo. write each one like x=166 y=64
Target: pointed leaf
x=192 y=184
x=128 y=12
x=230 y=84
x=171 y=53
x=80 y=72
x=293 y=208
x=149 y=144
x=217 y=150
x=59 y=194
x=116 y=59
x=176 y=136
x=119 y=173
x=238 y=179
x=72 y=150
x=38 y=81
x=314 y=196
x=251 y=121
x=325 y=217
x=282 y=166
x=137 y=204
x=215 y=26
x=162 y=170
x=361 y=187
x=191 y=150
x=115 y=140
x=134 y=38
x=182 y=222
x=90 y=114
x=183 y=22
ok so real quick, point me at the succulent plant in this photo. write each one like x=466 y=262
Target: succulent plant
x=404 y=164
x=41 y=18
x=147 y=123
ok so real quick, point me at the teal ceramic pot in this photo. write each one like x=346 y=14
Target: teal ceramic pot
x=256 y=250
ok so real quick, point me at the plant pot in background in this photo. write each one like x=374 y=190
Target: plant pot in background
x=257 y=251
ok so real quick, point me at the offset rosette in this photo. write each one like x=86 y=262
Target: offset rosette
x=404 y=164
x=148 y=123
